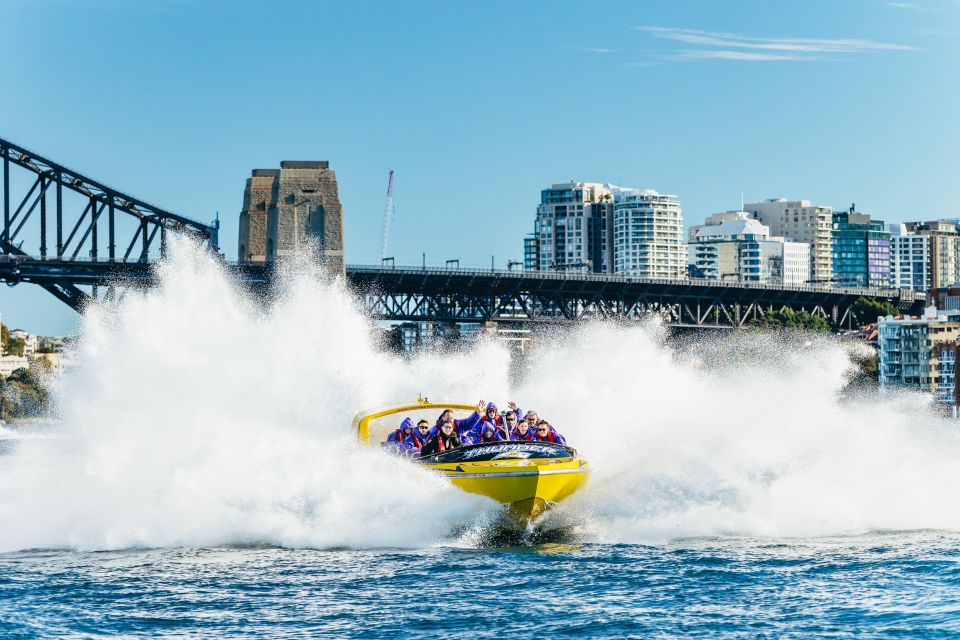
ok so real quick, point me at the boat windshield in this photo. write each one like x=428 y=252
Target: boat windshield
x=503 y=451
x=380 y=427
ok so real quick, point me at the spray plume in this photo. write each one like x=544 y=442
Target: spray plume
x=195 y=417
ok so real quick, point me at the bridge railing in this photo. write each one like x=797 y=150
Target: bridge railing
x=623 y=279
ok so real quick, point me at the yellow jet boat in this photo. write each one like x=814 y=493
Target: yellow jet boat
x=528 y=477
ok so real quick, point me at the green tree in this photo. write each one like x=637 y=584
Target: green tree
x=10 y=346
x=15 y=346
x=867 y=310
x=790 y=319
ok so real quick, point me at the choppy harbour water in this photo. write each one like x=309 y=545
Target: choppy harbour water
x=880 y=585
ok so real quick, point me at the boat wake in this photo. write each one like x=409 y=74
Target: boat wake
x=197 y=416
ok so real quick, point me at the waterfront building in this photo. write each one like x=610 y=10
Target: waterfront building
x=944 y=250
x=648 y=235
x=717 y=219
x=861 y=251
x=947 y=387
x=52 y=343
x=572 y=229
x=909 y=259
x=910 y=349
x=801 y=221
x=731 y=246
x=51 y=362
x=29 y=341
x=285 y=209
x=947 y=298
x=9 y=364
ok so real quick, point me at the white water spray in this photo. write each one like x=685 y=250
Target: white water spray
x=195 y=417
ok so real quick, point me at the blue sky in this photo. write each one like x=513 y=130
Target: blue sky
x=478 y=106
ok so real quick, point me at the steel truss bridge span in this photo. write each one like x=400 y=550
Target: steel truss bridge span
x=464 y=296
x=461 y=296
x=67 y=217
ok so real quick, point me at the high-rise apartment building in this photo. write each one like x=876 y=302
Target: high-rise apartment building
x=801 y=221
x=572 y=228
x=909 y=259
x=944 y=250
x=910 y=349
x=648 y=235
x=861 y=251
x=285 y=208
x=731 y=246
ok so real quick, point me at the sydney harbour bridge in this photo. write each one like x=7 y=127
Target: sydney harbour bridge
x=80 y=239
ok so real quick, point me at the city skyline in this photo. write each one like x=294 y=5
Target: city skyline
x=834 y=104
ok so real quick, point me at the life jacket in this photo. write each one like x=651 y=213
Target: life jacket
x=524 y=437
x=417 y=442
x=497 y=419
x=548 y=438
x=440 y=444
x=485 y=438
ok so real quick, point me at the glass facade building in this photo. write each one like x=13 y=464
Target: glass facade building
x=861 y=251
x=531 y=251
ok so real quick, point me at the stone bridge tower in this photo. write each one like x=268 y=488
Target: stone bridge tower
x=285 y=209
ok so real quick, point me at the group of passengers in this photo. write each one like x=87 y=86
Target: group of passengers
x=486 y=424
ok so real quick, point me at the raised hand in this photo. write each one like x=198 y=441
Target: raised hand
x=481 y=407
x=512 y=405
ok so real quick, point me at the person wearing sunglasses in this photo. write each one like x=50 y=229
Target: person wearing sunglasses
x=418 y=438
x=519 y=430
x=461 y=427
x=546 y=433
x=444 y=440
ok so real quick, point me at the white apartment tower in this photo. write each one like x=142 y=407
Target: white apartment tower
x=648 y=235
x=909 y=259
x=30 y=341
x=801 y=221
x=572 y=229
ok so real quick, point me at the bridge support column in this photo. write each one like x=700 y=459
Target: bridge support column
x=59 y=215
x=43 y=217
x=6 y=194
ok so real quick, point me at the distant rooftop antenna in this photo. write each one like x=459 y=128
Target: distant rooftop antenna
x=387 y=216
x=741 y=201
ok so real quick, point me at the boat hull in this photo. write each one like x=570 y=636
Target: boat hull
x=527 y=487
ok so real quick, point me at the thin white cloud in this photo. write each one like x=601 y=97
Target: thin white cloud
x=912 y=7
x=749 y=56
x=597 y=50
x=641 y=63
x=798 y=45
